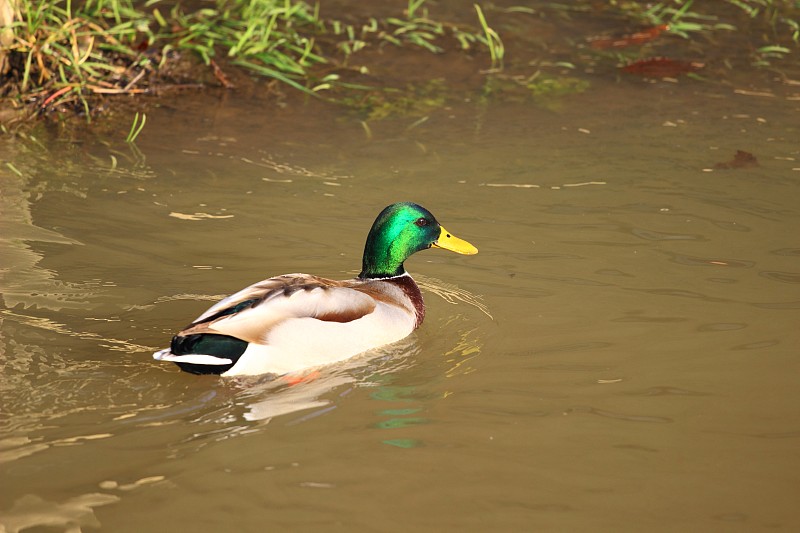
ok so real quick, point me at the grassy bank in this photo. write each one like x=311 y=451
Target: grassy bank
x=57 y=54
x=65 y=56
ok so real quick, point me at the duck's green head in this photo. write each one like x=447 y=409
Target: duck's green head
x=401 y=230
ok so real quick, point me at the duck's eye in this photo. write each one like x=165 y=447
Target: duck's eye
x=421 y=222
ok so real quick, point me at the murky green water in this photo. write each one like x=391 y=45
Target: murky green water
x=622 y=354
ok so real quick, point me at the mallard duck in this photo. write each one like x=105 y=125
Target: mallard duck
x=297 y=321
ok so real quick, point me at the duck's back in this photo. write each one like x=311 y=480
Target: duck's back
x=296 y=321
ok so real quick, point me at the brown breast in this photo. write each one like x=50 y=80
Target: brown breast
x=410 y=289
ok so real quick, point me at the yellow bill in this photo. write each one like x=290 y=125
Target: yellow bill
x=450 y=242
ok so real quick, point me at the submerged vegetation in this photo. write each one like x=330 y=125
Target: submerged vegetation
x=66 y=55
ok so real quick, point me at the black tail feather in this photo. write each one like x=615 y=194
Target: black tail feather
x=223 y=346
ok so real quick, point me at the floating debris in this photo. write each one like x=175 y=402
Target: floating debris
x=196 y=216
x=741 y=159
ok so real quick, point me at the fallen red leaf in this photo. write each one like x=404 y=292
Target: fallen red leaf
x=741 y=159
x=142 y=46
x=628 y=39
x=221 y=77
x=661 y=67
x=55 y=95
